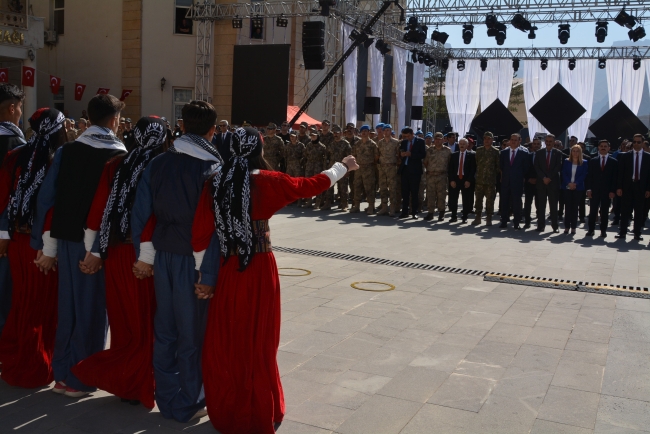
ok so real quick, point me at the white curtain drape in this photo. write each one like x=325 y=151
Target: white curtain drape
x=496 y=82
x=580 y=84
x=399 y=65
x=418 y=93
x=646 y=65
x=614 y=72
x=462 y=90
x=350 y=67
x=536 y=84
x=624 y=83
x=376 y=77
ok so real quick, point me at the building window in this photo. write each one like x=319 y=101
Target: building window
x=59 y=16
x=182 y=25
x=181 y=97
x=59 y=99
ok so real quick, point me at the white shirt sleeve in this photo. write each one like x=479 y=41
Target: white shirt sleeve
x=4 y=235
x=147 y=253
x=50 y=247
x=336 y=172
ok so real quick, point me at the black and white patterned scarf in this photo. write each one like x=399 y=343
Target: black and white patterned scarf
x=196 y=146
x=150 y=134
x=33 y=162
x=10 y=129
x=232 y=197
x=101 y=138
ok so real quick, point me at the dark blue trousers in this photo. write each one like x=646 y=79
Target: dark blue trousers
x=511 y=199
x=5 y=291
x=82 y=324
x=179 y=327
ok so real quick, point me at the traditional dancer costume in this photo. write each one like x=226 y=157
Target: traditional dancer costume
x=242 y=381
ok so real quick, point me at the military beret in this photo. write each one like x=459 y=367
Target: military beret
x=365 y=128
x=488 y=134
x=428 y=135
x=336 y=129
x=379 y=125
x=419 y=132
x=388 y=126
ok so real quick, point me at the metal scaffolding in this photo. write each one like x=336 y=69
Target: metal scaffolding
x=484 y=6
x=550 y=53
x=202 y=14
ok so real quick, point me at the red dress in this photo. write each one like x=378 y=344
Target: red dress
x=27 y=341
x=126 y=368
x=240 y=373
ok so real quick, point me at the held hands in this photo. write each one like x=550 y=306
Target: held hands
x=571 y=186
x=4 y=246
x=619 y=192
x=611 y=195
x=589 y=194
x=204 y=292
x=406 y=154
x=351 y=162
x=532 y=181
x=142 y=270
x=547 y=181
x=91 y=264
x=467 y=184
x=647 y=194
x=45 y=263
x=453 y=184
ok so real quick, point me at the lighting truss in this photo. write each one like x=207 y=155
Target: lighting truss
x=442 y=7
x=550 y=53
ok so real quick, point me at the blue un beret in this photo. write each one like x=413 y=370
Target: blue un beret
x=429 y=135
x=365 y=128
x=388 y=126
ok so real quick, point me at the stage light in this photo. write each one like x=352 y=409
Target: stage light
x=325 y=7
x=543 y=64
x=460 y=65
x=563 y=33
x=237 y=23
x=441 y=37
x=491 y=21
x=468 y=33
x=415 y=32
x=420 y=57
x=601 y=31
x=515 y=64
x=444 y=64
x=429 y=60
x=624 y=19
x=382 y=46
x=572 y=64
x=368 y=42
x=636 y=63
x=602 y=62
x=414 y=56
x=495 y=28
x=531 y=34
x=501 y=34
x=521 y=23
x=257 y=22
x=281 y=21
x=483 y=64
x=636 y=34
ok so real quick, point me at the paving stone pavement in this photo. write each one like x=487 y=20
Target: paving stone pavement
x=442 y=353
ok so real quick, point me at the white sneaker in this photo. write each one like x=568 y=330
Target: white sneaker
x=199 y=414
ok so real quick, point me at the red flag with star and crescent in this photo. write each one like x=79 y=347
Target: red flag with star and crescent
x=125 y=93
x=4 y=75
x=28 y=76
x=103 y=91
x=55 y=84
x=79 y=91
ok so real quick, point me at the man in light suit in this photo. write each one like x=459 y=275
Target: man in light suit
x=548 y=164
x=514 y=164
x=601 y=187
x=412 y=151
x=221 y=140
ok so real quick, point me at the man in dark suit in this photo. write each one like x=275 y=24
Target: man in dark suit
x=514 y=164
x=548 y=164
x=462 y=178
x=412 y=151
x=601 y=187
x=633 y=186
x=221 y=140
x=530 y=185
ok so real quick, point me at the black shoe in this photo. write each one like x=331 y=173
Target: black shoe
x=471 y=212
x=503 y=225
x=415 y=216
x=603 y=235
x=590 y=233
x=582 y=220
x=620 y=236
x=441 y=217
x=616 y=222
x=453 y=219
x=527 y=226
x=403 y=216
x=638 y=237
x=516 y=227
x=429 y=216
x=539 y=229
x=464 y=220
x=560 y=216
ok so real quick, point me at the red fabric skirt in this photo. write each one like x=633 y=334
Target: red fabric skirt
x=126 y=368
x=242 y=384
x=27 y=341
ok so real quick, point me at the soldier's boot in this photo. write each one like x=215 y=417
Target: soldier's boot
x=429 y=216
x=306 y=203
x=326 y=206
x=477 y=221
x=370 y=209
x=383 y=210
x=488 y=220
x=441 y=216
x=343 y=204
x=355 y=208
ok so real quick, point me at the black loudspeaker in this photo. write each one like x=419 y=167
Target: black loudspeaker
x=313 y=44
x=416 y=113
x=557 y=110
x=497 y=119
x=619 y=121
x=372 y=105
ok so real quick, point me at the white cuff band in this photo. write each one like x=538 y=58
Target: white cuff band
x=336 y=172
x=198 y=259
x=4 y=235
x=89 y=239
x=147 y=253
x=49 y=245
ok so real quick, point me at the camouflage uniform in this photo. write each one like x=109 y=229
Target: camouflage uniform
x=436 y=163
x=337 y=151
x=304 y=139
x=274 y=151
x=295 y=157
x=487 y=170
x=366 y=154
x=353 y=144
x=315 y=154
x=388 y=164
x=327 y=140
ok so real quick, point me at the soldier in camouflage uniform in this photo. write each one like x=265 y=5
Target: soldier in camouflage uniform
x=388 y=164
x=315 y=153
x=436 y=163
x=366 y=154
x=294 y=155
x=487 y=171
x=338 y=149
x=273 y=148
x=428 y=142
x=327 y=138
x=349 y=136
x=302 y=133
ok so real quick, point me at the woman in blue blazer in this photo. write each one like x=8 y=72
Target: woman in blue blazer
x=574 y=173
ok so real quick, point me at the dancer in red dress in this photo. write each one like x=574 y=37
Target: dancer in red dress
x=27 y=341
x=126 y=369
x=240 y=373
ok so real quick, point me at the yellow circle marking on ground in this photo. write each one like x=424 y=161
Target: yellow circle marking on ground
x=390 y=287
x=307 y=272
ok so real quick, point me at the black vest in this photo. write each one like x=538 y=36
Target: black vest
x=79 y=174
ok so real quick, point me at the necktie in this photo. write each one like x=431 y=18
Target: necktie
x=636 y=166
x=548 y=160
x=224 y=138
x=602 y=165
x=512 y=156
x=460 y=166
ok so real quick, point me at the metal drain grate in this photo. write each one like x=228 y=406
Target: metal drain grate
x=515 y=279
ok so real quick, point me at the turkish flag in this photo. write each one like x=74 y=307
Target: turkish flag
x=103 y=91
x=28 y=76
x=55 y=83
x=125 y=93
x=79 y=91
x=4 y=75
